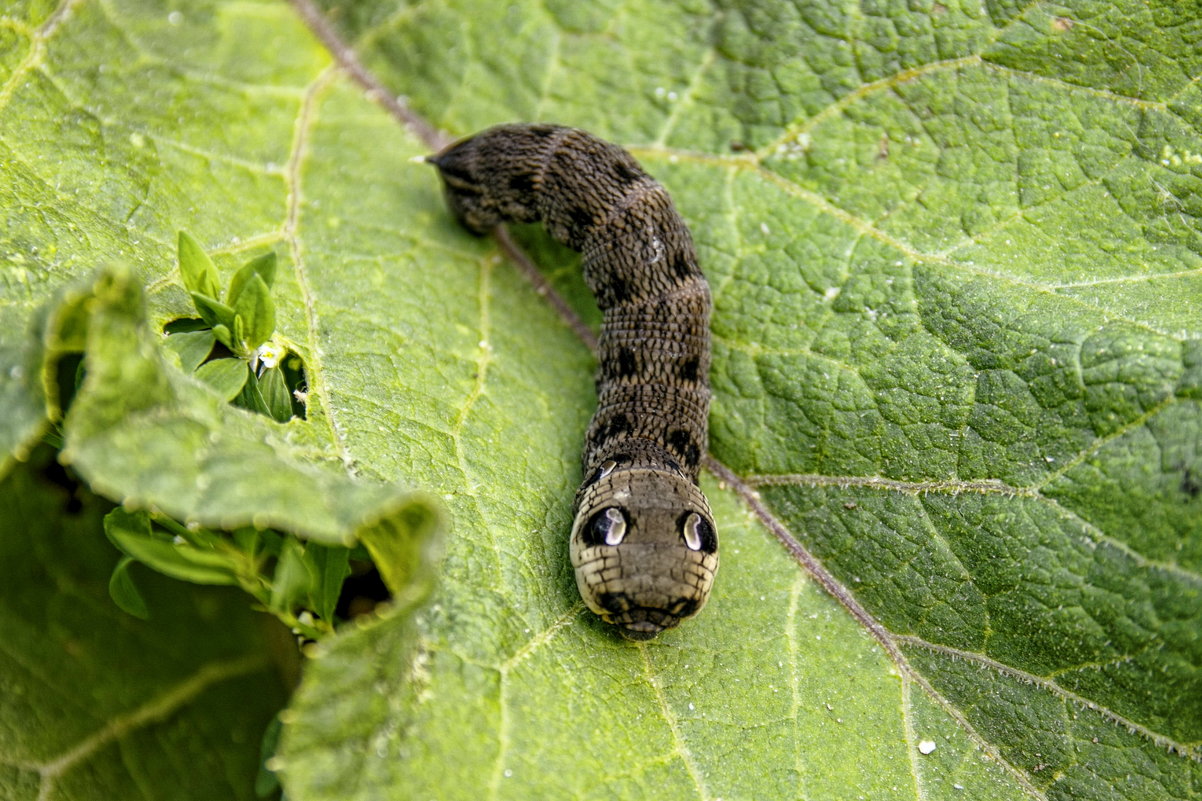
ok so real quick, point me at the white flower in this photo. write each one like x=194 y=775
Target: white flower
x=270 y=353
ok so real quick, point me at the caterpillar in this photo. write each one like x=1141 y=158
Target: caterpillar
x=643 y=543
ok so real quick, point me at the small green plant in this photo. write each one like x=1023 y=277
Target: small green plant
x=298 y=582
x=230 y=346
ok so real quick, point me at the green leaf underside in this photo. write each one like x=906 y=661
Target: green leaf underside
x=72 y=722
x=292 y=576
x=955 y=262
x=332 y=569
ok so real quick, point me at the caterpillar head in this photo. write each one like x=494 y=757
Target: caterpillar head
x=493 y=177
x=643 y=546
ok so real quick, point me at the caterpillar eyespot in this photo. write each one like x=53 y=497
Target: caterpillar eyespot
x=609 y=527
x=643 y=542
x=698 y=533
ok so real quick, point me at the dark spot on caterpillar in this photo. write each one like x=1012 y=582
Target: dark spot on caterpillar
x=618 y=291
x=606 y=527
x=682 y=265
x=522 y=182
x=697 y=527
x=680 y=441
x=688 y=369
x=600 y=473
x=628 y=363
x=613 y=428
x=660 y=553
x=618 y=425
x=581 y=218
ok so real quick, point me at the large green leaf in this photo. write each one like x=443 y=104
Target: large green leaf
x=955 y=255
x=151 y=436
x=95 y=704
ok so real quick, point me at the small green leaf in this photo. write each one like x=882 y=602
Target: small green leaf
x=276 y=397
x=225 y=376
x=239 y=337
x=262 y=266
x=222 y=333
x=266 y=782
x=212 y=311
x=333 y=566
x=295 y=576
x=132 y=533
x=196 y=268
x=125 y=593
x=248 y=539
x=257 y=310
x=192 y=348
x=251 y=397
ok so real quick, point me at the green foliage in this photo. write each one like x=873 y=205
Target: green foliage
x=262 y=268
x=97 y=703
x=252 y=377
x=197 y=270
x=298 y=582
x=956 y=259
x=124 y=591
x=133 y=427
x=225 y=376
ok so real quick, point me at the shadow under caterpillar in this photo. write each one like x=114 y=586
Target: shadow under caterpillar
x=643 y=542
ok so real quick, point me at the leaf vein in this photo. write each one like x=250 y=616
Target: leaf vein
x=681 y=749
x=156 y=709
x=315 y=373
x=1189 y=750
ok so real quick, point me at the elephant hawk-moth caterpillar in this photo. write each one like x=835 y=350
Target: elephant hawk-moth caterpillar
x=643 y=542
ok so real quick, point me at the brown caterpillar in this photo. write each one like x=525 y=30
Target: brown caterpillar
x=643 y=543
